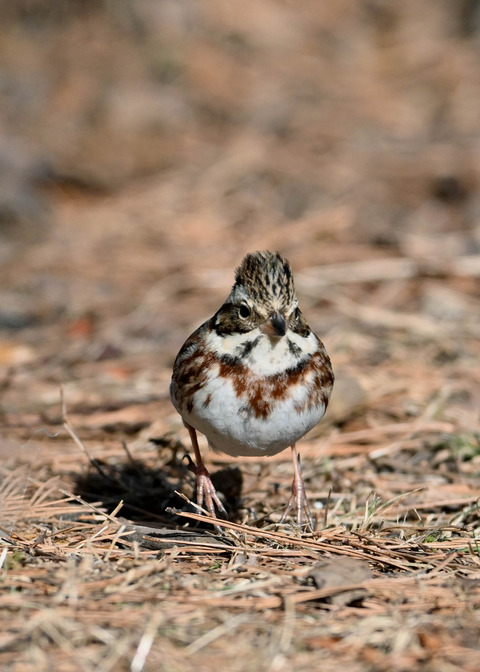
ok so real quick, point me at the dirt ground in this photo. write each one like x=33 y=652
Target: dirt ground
x=145 y=147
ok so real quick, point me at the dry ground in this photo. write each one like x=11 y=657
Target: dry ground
x=144 y=148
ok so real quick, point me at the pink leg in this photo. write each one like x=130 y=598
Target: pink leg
x=298 y=498
x=205 y=488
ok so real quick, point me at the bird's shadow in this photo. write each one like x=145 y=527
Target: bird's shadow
x=149 y=493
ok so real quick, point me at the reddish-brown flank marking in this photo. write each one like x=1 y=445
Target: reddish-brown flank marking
x=237 y=373
x=260 y=394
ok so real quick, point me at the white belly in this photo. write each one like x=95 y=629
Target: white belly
x=231 y=427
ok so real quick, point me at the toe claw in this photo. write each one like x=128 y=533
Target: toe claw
x=298 y=502
x=206 y=493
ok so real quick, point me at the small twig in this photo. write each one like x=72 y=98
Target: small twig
x=68 y=427
x=3 y=556
x=145 y=644
x=189 y=501
x=116 y=537
x=441 y=565
x=129 y=454
x=198 y=508
x=91 y=506
x=288 y=628
x=327 y=506
x=94 y=536
x=117 y=508
x=214 y=634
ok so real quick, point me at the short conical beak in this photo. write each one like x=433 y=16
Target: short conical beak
x=278 y=324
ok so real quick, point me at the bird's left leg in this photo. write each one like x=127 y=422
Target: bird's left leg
x=298 y=498
x=205 y=488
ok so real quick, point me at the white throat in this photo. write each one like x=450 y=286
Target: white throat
x=263 y=355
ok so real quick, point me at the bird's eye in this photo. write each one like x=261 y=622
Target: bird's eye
x=244 y=311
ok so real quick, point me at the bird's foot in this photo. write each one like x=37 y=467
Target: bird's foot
x=206 y=493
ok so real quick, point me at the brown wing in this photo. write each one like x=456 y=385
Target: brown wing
x=190 y=369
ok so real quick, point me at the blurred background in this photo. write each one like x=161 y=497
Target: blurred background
x=147 y=145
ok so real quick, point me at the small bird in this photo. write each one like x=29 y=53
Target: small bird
x=253 y=378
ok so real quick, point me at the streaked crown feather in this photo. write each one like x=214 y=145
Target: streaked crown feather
x=267 y=278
